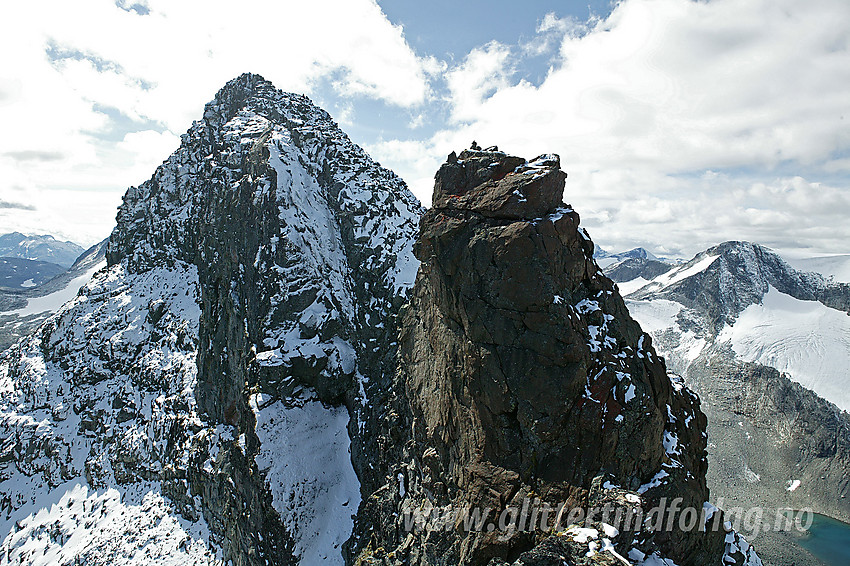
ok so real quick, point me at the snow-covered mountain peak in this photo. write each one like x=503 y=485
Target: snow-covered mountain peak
x=256 y=274
x=725 y=279
x=232 y=146
x=766 y=347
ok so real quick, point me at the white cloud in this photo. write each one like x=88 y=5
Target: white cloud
x=650 y=98
x=482 y=74
x=684 y=85
x=641 y=105
x=66 y=62
x=681 y=215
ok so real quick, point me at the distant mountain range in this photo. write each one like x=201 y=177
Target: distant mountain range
x=28 y=261
x=37 y=247
x=606 y=259
x=767 y=348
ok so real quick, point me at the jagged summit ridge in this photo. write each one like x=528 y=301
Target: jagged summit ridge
x=251 y=287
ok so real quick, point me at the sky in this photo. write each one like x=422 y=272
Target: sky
x=681 y=124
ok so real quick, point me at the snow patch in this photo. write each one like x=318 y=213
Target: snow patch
x=305 y=455
x=680 y=274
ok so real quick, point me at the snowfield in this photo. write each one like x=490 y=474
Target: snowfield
x=805 y=339
x=659 y=318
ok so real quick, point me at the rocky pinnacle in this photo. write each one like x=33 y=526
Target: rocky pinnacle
x=525 y=377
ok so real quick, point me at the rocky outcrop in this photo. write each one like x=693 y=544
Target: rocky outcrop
x=302 y=245
x=523 y=376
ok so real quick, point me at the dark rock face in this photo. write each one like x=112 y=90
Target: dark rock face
x=499 y=296
x=495 y=185
x=765 y=431
x=636 y=267
x=523 y=372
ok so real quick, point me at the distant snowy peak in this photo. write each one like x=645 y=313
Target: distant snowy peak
x=606 y=259
x=637 y=253
x=747 y=296
x=39 y=248
x=630 y=254
x=725 y=279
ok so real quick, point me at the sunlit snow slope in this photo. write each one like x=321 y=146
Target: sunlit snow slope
x=805 y=339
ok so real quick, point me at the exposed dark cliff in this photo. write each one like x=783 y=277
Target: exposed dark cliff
x=524 y=376
x=253 y=370
x=768 y=431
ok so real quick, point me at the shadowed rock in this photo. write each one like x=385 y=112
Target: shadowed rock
x=524 y=376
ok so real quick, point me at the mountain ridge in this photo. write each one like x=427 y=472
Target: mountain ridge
x=258 y=289
x=739 y=274
x=761 y=347
x=39 y=247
